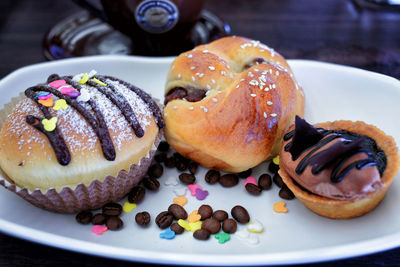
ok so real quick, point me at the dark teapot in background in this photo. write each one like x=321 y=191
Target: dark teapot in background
x=156 y=27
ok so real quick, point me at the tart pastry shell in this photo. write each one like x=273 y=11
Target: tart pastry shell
x=345 y=209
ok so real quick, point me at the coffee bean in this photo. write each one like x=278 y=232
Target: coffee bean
x=112 y=209
x=212 y=225
x=99 y=219
x=205 y=211
x=272 y=167
x=201 y=234
x=181 y=166
x=142 y=218
x=151 y=183
x=177 y=228
x=177 y=211
x=193 y=166
x=187 y=178
x=84 y=217
x=240 y=214
x=245 y=174
x=155 y=170
x=220 y=215
x=179 y=157
x=164 y=219
x=286 y=193
x=212 y=176
x=229 y=226
x=265 y=181
x=163 y=146
x=229 y=180
x=161 y=157
x=114 y=223
x=170 y=162
x=136 y=195
x=253 y=189
x=278 y=180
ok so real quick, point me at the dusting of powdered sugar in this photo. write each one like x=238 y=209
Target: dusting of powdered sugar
x=139 y=107
x=83 y=137
x=19 y=127
x=72 y=121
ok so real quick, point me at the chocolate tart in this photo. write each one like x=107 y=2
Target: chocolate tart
x=356 y=206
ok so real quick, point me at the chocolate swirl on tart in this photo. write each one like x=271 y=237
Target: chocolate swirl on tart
x=306 y=139
x=361 y=188
x=94 y=116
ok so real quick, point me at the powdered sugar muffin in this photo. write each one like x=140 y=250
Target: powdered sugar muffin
x=74 y=133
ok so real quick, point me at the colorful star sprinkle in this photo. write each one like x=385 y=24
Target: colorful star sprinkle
x=128 y=207
x=60 y=104
x=280 y=207
x=49 y=125
x=181 y=200
x=84 y=78
x=222 y=237
x=99 y=82
x=46 y=102
x=167 y=234
x=57 y=84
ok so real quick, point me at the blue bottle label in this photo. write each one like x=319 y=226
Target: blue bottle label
x=157 y=16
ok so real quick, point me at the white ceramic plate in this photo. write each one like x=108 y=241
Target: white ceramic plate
x=332 y=92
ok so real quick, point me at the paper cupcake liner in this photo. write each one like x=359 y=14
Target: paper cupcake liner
x=83 y=197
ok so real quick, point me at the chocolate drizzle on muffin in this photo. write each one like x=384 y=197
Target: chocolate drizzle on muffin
x=55 y=138
x=90 y=111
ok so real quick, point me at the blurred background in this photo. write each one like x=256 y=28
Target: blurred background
x=360 y=33
x=352 y=32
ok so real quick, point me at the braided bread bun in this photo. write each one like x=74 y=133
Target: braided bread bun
x=228 y=103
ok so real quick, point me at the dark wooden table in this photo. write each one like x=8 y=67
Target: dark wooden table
x=339 y=31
